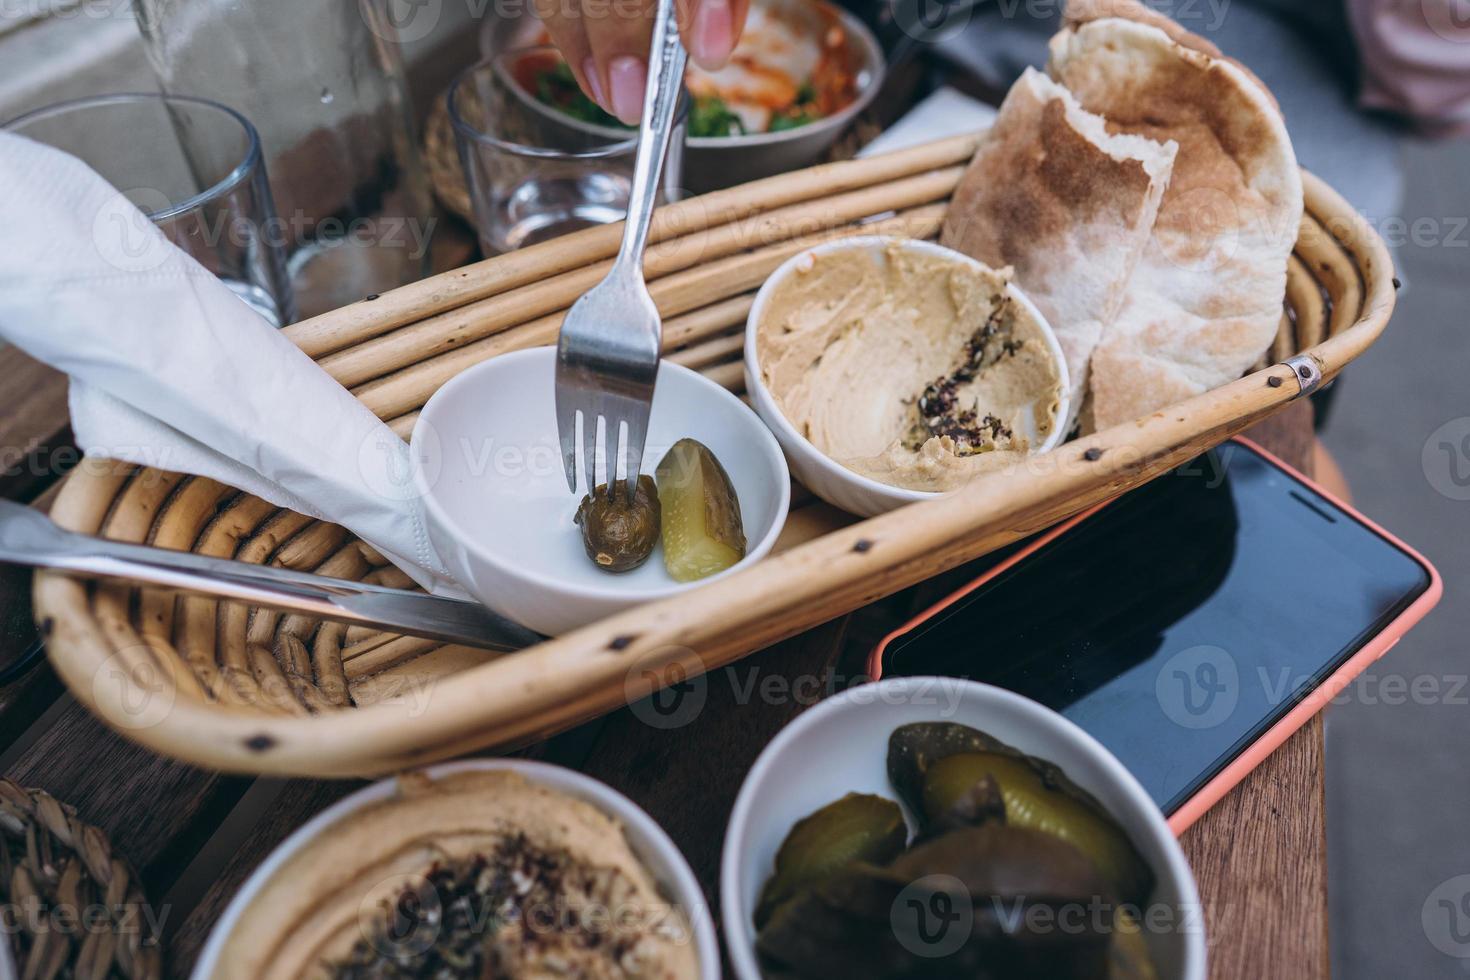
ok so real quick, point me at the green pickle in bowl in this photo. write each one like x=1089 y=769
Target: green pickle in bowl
x=619 y=534
x=1031 y=801
x=1005 y=877
x=692 y=509
x=702 y=530
x=858 y=827
x=933 y=765
x=1006 y=841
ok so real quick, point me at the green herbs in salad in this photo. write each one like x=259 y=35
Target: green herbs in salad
x=558 y=88
x=709 y=115
x=801 y=111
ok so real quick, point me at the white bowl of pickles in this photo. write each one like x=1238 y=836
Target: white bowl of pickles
x=931 y=826
x=712 y=497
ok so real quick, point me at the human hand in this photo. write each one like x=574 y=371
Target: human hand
x=606 y=43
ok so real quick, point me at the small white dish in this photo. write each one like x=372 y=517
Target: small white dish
x=487 y=463
x=820 y=473
x=647 y=839
x=841 y=746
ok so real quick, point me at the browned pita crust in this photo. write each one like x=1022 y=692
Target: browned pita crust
x=1064 y=203
x=1206 y=297
x=1079 y=12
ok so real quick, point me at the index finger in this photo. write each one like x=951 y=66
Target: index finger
x=711 y=29
x=564 y=22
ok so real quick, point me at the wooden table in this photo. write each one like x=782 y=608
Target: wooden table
x=1260 y=855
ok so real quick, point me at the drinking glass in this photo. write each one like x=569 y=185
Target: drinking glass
x=534 y=172
x=194 y=167
x=323 y=81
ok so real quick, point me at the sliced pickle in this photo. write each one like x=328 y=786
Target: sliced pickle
x=1032 y=802
x=702 y=531
x=1128 y=958
x=980 y=804
x=857 y=827
x=914 y=747
x=619 y=534
x=1036 y=793
x=1002 y=887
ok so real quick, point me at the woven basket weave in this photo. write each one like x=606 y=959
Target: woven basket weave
x=78 y=909
x=230 y=687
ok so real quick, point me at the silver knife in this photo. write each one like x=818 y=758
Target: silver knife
x=28 y=537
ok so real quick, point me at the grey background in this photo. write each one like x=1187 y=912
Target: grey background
x=1398 y=771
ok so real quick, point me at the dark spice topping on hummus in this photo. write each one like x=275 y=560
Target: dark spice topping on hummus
x=937 y=408
x=495 y=917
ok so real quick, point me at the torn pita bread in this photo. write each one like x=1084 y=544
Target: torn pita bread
x=1081 y=12
x=1069 y=206
x=1206 y=297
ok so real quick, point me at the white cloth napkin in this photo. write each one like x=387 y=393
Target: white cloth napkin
x=170 y=369
x=946 y=112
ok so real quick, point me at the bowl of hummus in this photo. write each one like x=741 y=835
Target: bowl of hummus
x=891 y=370
x=485 y=867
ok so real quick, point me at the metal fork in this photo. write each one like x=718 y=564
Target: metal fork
x=607 y=353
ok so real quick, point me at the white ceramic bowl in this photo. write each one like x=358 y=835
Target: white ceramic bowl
x=647 y=839
x=487 y=463
x=841 y=746
x=821 y=474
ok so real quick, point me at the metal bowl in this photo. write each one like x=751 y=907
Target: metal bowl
x=713 y=162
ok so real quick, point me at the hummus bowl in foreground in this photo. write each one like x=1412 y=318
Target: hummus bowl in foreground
x=321 y=894
x=892 y=370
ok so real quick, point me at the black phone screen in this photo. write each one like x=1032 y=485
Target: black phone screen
x=1182 y=620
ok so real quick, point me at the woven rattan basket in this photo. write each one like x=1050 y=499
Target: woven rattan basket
x=73 y=907
x=233 y=688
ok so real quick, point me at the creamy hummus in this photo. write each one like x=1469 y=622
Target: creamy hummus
x=477 y=873
x=910 y=367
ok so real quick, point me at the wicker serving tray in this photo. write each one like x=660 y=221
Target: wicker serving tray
x=236 y=688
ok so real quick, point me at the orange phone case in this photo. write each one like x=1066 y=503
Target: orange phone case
x=1255 y=753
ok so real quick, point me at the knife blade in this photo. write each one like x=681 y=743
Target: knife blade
x=28 y=537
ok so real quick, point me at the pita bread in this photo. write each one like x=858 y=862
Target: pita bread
x=1206 y=297
x=1064 y=203
x=1081 y=12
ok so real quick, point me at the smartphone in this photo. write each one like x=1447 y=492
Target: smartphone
x=1190 y=625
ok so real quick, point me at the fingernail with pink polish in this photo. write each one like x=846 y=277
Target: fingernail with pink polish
x=594 y=81
x=627 y=76
x=714 y=33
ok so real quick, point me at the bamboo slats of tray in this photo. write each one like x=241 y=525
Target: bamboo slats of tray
x=244 y=689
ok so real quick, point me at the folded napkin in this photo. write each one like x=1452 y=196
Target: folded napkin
x=945 y=112
x=170 y=369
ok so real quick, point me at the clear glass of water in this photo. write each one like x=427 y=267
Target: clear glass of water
x=323 y=81
x=534 y=172
x=194 y=168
